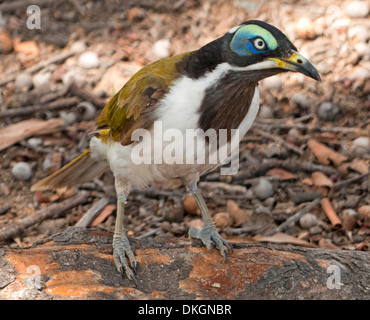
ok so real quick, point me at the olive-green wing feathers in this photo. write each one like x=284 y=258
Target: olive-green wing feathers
x=134 y=106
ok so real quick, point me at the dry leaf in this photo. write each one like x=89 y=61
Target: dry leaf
x=282 y=174
x=108 y=209
x=321 y=180
x=27 y=47
x=223 y=220
x=27 y=128
x=324 y=154
x=330 y=212
x=364 y=210
x=282 y=238
x=359 y=165
x=327 y=244
x=238 y=215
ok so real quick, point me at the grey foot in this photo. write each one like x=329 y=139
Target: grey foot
x=121 y=249
x=211 y=238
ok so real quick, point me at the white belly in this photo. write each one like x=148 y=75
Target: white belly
x=179 y=110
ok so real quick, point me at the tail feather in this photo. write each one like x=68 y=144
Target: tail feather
x=82 y=169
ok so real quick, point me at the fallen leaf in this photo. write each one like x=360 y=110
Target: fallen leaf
x=27 y=128
x=307 y=181
x=364 y=210
x=324 y=154
x=327 y=244
x=238 y=215
x=359 y=165
x=321 y=180
x=282 y=174
x=107 y=211
x=27 y=47
x=282 y=238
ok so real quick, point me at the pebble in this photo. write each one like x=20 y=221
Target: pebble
x=305 y=29
x=161 y=48
x=23 y=81
x=52 y=162
x=273 y=82
x=35 y=142
x=359 y=32
x=308 y=220
x=68 y=117
x=357 y=9
x=362 y=49
x=359 y=73
x=86 y=110
x=78 y=47
x=263 y=189
x=327 y=111
x=73 y=76
x=22 y=171
x=361 y=146
x=274 y=149
x=300 y=100
x=265 y=112
x=88 y=60
x=41 y=81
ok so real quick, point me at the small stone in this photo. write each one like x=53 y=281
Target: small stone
x=361 y=146
x=68 y=117
x=274 y=150
x=78 y=47
x=41 y=81
x=161 y=48
x=308 y=220
x=273 y=82
x=86 y=110
x=315 y=230
x=300 y=100
x=52 y=162
x=305 y=29
x=73 y=76
x=362 y=49
x=358 y=33
x=357 y=9
x=23 y=81
x=22 y=171
x=359 y=73
x=263 y=189
x=265 y=112
x=88 y=60
x=327 y=111
x=35 y=142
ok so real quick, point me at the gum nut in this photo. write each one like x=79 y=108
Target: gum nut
x=22 y=171
x=86 y=110
x=263 y=189
x=357 y=9
x=88 y=60
x=78 y=47
x=161 y=48
x=327 y=111
x=273 y=82
x=361 y=146
x=23 y=81
x=300 y=100
x=265 y=112
x=308 y=220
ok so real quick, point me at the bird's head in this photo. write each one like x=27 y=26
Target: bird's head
x=260 y=47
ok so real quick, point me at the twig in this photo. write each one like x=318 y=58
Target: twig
x=279 y=140
x=292 y=165
x=55 y=105
x=92 y=213
x=345 y=183
x=294 y=218
x=53 y=211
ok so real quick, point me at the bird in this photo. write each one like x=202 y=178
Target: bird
x=212 y=88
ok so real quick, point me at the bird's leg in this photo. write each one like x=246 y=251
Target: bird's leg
x=209 y=235
x=121 y=245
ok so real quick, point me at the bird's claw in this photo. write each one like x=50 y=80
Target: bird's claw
x=211 y=238
x=121 y=250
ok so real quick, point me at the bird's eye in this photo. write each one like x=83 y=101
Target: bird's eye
x=259 y=44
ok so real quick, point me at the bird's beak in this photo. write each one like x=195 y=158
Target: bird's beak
x=298 y=63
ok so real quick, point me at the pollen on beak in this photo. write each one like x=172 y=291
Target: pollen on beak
x=298 y=63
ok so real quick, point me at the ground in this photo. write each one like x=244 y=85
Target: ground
x=310 y=140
